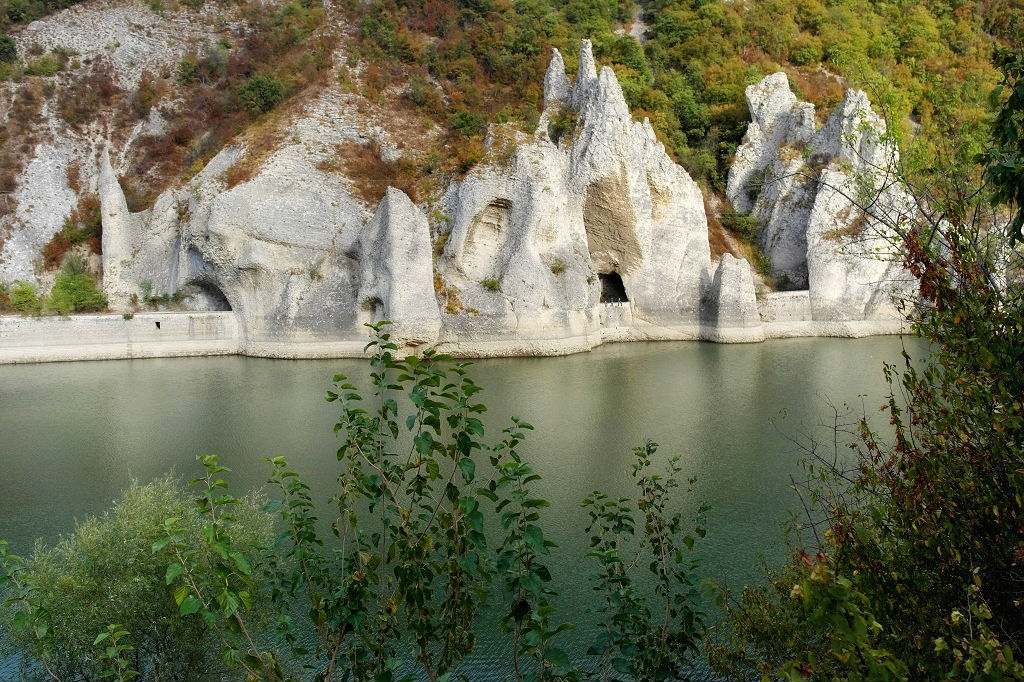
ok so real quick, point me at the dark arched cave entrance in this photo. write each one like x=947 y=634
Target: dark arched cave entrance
x=210 y=297
x=612 y=288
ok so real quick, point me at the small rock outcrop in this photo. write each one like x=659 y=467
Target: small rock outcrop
x=730 y=305
x=808 y=188
x=397 y=280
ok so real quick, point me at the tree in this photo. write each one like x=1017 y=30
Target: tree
x=8 y=50
x=1006 y=157
x=261 y=93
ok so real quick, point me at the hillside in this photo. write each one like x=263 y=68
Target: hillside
x=285 y=123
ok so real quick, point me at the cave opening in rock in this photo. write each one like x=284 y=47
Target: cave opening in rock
x=612 y=288
x=210 y=296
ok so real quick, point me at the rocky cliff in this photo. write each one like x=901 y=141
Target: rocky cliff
x=826 y=200
x=580 y=231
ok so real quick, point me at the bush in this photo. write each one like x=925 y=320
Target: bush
x=46 y=66
x=25 y=298
x=8 y=49
x=465 y=124
x=806 y=50
x=83 y=226
x=75 y=290
x=188 y=71
x=261 y=93
x=105 y=572
x=743 y=225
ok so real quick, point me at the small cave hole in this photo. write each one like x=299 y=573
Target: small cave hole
x=158 y=324
x=612 y=288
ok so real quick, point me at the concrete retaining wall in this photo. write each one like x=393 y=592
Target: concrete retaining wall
x=785 y=306
x=113 y=337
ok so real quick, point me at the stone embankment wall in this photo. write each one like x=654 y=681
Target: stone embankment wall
x=114 y=337
x=181 y=334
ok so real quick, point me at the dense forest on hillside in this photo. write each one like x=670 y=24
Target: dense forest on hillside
x=465 y=64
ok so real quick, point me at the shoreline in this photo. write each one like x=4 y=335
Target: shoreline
x=110 y=336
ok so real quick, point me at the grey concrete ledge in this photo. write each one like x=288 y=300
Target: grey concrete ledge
x=185 y=334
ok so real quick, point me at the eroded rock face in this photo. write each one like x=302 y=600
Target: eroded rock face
x=603 y=199
x=397 y=273
x=806 y=186
x=731 y=301
x=537 y=237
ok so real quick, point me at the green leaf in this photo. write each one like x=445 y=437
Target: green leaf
x=468 y=468
x=559 y=661
x=173 y=571
x=534 y=537
x=189 y=605
x=180 y=592
x=242 y=563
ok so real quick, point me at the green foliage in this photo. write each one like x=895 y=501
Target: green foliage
x=834 y=606
x=25 y=298
x=214 y=584
x=75 y=289
x=8 y=49
x=632 y=639
x=1005 y=158
x=414 y=564
x=47 y=65
x=562 y=123
x=491 y=284
x=522 y=572
x=743 y=225
x=766 y=627
x=54 y=611
x=378 y=27
x=188 y=71
x=116 y=653
x=261 y=93
x=466 y=124
x=155 y=300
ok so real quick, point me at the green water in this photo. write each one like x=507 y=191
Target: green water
x=73 y=435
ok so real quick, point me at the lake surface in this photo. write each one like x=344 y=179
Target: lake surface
x=73 y=435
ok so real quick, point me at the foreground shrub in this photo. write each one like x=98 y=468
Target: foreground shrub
x=61 y=598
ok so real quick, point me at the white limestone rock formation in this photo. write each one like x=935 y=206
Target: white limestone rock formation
x=808 y=184
x=397 y=276
x=557 y=85
x=117 y=238
x=532 y=238
x=730 y=304
x=777 y=118
x=280 y=249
